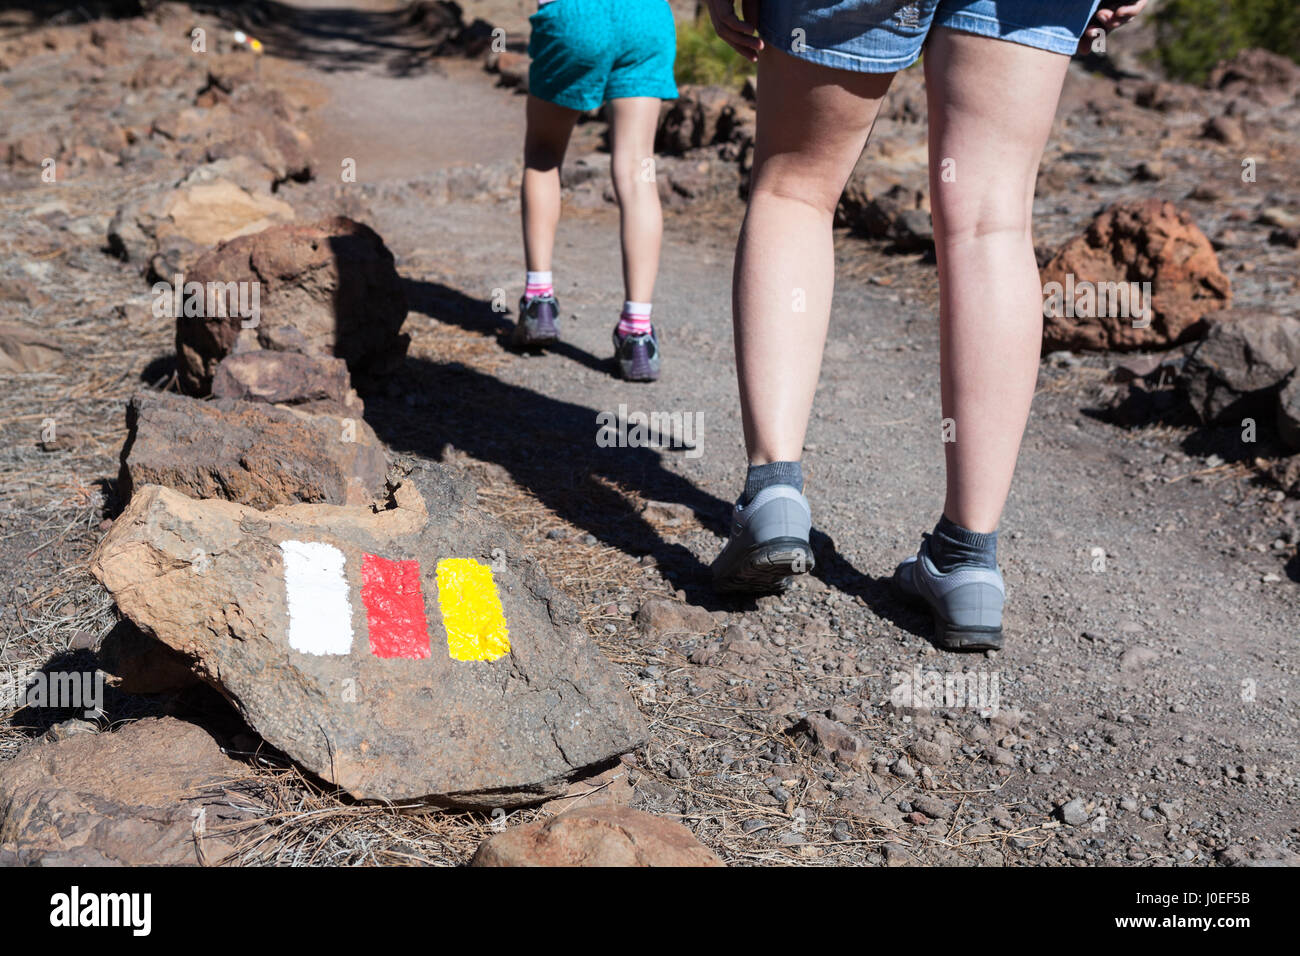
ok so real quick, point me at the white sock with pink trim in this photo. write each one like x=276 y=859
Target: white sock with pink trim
x=538 y=284
x=635 y=319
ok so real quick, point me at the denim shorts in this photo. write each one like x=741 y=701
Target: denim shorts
x=880 y=36
x=585 y=52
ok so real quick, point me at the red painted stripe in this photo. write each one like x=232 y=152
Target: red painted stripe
x=394 y=607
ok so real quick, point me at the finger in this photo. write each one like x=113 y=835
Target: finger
x=743 y=44
x=749 y=53
x=742 y=30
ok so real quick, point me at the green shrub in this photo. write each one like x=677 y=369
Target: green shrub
x=704 y=57
x=1194 y=35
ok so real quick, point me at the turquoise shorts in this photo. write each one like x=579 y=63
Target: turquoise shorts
x=585 y=52
x=880 y=36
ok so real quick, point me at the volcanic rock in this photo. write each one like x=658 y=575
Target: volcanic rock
x=1131 y=243
x=254 y=454
x=145 y=795
x=597 y=836
x=413 y=652
x=1240 y=365
x=333 y=280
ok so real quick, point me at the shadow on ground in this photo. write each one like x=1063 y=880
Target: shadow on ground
x=404 y=41
x=548 y=446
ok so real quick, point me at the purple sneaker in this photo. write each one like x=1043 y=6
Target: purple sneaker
x=538 y=323
x=637 y=355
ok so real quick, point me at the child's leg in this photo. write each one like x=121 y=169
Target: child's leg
x=547 y=137
x=632 y=168
x=812 y=124
x=991 y=105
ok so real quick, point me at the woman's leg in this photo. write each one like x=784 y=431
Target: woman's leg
x=632 y=168
x=812 y=124
x=991 y=105
x=546 y=139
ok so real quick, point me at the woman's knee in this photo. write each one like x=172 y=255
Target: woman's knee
x=804 y=183
x=967 y=214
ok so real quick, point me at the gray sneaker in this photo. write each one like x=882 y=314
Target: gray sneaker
x=768 y=543
x=966 y=602
x=538 y=323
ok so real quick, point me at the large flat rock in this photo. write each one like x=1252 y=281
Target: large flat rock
x=407 y=653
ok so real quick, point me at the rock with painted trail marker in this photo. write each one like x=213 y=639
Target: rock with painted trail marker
x=411 y=652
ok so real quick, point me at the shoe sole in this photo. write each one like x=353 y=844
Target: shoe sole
x=768 y=567
x=647 y=377
x=953 y=638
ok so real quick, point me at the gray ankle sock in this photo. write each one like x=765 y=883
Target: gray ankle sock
x=950 y=546
x=773 y=473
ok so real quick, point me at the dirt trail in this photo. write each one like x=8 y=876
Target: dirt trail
x=1146 y=656
x=1144 y=709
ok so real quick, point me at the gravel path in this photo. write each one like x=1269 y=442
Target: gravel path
x=1147 y=692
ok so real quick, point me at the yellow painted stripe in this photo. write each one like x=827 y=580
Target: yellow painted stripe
x=471 y=611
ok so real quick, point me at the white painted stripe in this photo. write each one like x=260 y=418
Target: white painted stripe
x=320 y=614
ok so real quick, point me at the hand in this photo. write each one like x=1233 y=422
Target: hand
x=739 y=33
x=1107 y=18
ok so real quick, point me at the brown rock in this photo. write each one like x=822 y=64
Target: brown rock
x=24 y=349
x=1142 y=241
x=670 y=514
x=601 y=836
x=217 y=211
x=829 y=735
x=864 y=803
x=659 y=617
x=1165 y=97
x=1260 y=75
x=256 y=455
x=932 y=806
x=142 y=796
x=1227 y=130
x=610 y=788
x=235 y=115
x=408 y=690
x=333 y=280
x=196 y=214
x=892 y=212
x=701 y=116
x=289 y=378
x=930 y=752
x=34 y=149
